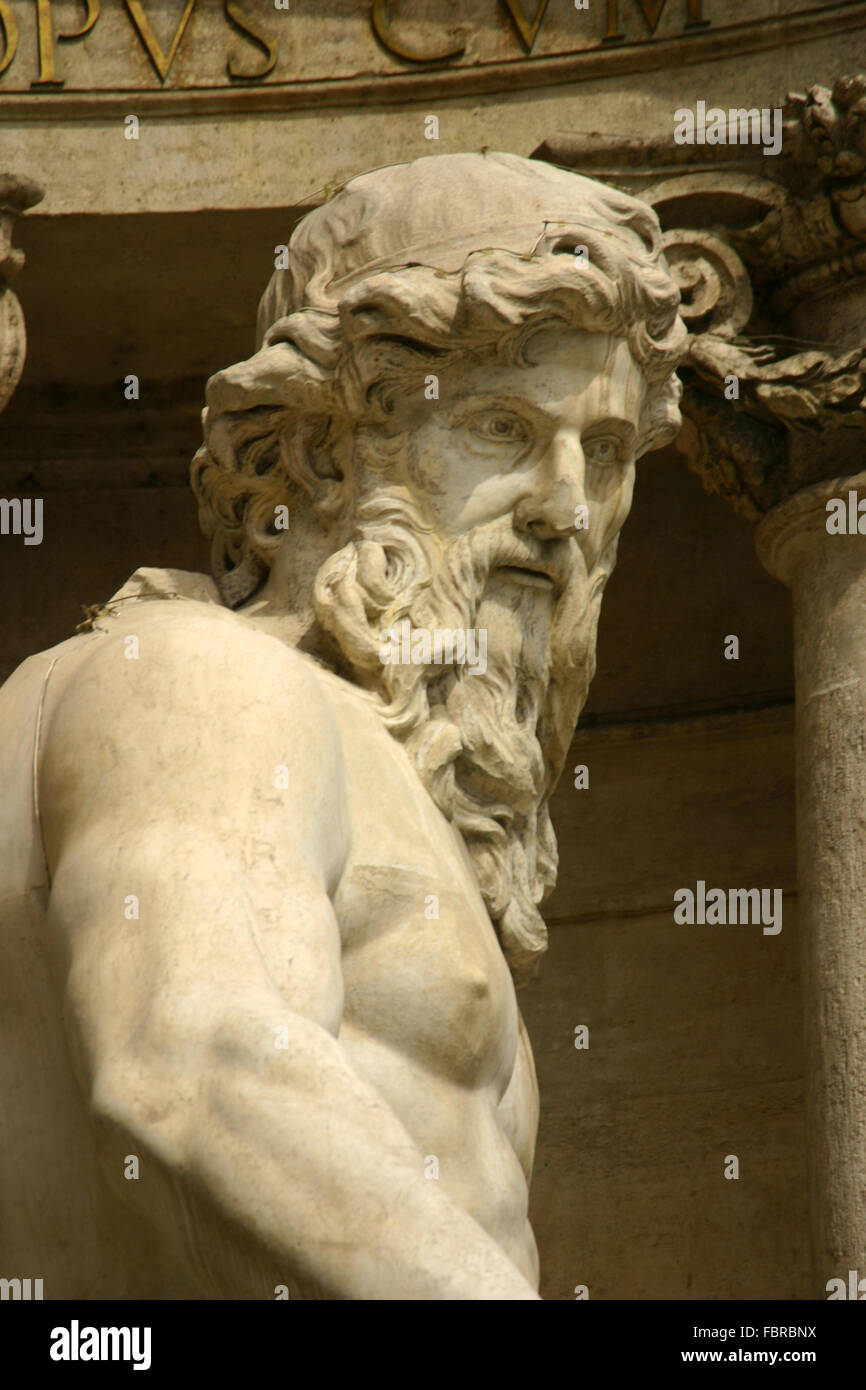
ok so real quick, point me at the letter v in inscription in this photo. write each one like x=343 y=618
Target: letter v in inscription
x=161 y=61
x=528 y=32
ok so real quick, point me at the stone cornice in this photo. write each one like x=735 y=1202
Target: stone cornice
x=440 y=81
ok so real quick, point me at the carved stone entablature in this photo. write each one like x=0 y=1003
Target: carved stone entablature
x=16 y=195
x=766 y=250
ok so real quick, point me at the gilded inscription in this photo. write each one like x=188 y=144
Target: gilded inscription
x=194 y=44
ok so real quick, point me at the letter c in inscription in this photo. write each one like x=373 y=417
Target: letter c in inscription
x=381 y=21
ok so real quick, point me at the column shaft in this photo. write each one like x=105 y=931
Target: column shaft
x=827 y=577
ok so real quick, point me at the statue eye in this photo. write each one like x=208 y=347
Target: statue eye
x=606 y=449
x=505 y=429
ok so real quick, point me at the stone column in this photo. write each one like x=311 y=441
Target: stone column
x=827 y=577
x=770 y=255
x=16 y=195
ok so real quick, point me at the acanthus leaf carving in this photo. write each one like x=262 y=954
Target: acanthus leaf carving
x=807 y=389
x=744 y=453
x=826 y=127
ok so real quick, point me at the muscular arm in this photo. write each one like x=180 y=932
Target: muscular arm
x=204 y=1030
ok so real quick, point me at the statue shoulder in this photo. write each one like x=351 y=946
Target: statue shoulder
x=185 y=665
x=180 y=734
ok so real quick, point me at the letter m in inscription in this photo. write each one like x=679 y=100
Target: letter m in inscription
x=652 y=13
x=528 y=29
x=651 y=10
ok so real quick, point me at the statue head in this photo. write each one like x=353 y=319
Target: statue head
x=455 y=376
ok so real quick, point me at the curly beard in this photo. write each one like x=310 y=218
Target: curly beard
x=489 y=747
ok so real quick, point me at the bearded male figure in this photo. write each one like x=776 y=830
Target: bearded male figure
x=265 y=895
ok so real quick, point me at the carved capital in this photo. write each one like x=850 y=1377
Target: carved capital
x=16 y=195
x=749 y=388
x=786 y=539
x=805 y=206
x=770 y=256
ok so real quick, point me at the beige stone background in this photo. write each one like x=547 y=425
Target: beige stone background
x=149 y=257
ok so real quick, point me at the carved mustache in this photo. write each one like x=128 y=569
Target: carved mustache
x=554 y=559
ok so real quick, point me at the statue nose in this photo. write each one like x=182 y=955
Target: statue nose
x=549 y=508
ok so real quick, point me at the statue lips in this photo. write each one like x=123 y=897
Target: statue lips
x=521 y=574
x=522 y=565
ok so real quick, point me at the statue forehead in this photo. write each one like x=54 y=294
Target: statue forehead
x=562 y=366
x=578 y=352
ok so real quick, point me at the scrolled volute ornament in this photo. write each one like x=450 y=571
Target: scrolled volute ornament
x=713 y=282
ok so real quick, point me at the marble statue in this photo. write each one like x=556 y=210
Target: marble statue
x=273 y=849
